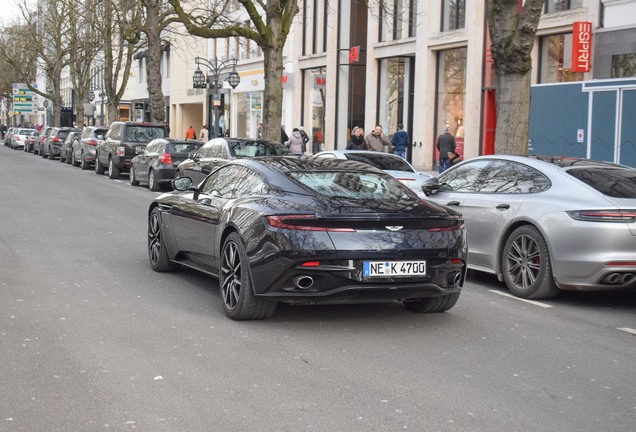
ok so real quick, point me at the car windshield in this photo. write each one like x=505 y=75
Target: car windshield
x=351 y=185
x=243 y=149
x=616 y=183
x=182 y=148
x=25 y=131
x=144 y=134
x=382 y=161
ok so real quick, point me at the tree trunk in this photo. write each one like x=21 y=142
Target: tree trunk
x=513 y=113
x=153 y=56
x=273 y=93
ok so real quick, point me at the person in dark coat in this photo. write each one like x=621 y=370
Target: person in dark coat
x=400 y=141
x=283 y=135
x=357 y=142
x=445 y=145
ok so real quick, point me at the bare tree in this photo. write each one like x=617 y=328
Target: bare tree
x=512 y=33
x=270 y=22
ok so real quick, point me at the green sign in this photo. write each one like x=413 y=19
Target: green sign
x=24 y=99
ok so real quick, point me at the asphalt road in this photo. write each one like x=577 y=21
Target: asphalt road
x=92 y=339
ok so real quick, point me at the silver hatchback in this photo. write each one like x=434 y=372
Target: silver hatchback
x=544 y=224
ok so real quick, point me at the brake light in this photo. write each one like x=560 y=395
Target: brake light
x=302 y=223
x=448 y=228
x=92 y=143
x=121 y=151
x=311 y=264
x=17 y=137
x=166 y=159
x=625 y=216
x=56 y=139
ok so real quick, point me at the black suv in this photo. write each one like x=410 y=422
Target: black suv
x=123 y=142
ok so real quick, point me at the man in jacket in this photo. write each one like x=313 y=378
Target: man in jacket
x=400 y=141
x=376 y=139
x=445 y=144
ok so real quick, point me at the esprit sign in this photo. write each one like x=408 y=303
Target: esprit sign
x=581 y=46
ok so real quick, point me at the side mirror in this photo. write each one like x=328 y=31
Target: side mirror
x=182 y=184
x=430 y=186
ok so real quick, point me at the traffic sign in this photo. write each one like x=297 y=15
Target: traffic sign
x=24 y=99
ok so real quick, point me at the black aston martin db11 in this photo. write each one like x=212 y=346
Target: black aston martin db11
x=308 y=231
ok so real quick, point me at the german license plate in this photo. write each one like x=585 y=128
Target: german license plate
x=394 y=268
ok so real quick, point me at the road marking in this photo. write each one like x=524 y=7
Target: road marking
x=627 y=329
x=536 y=303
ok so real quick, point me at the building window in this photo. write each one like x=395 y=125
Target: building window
x=451 y=91
x=453 y=14
x=393 y=82
x=556 y=59
x=561 y=5
x=624 y=65
x=315 y=83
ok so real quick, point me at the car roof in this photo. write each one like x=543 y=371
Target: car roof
x=555 y=162
x=284 y=164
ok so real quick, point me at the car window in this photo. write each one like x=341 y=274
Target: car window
x=153 y=147
x=464 y=177
x=616 y=183
x=63 y=134
x=252 y=183
x=100 y=133
x=222 y=182
x=352 y=185
x=382 y=161
x=114 y=132
x=511 y=178
x=182 y=148
x=144 y=134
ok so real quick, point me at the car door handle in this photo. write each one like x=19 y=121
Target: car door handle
x=503 y=207
x=452 y=203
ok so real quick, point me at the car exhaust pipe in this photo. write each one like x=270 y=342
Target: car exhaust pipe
x=626 y=278
x=303 y=282
x=612 y=278
x=454 y=278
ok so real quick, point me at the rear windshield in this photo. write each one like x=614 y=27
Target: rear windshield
x=63 y=134
x=144 y=134
x=243 y=149
x=381 y=161
x=616 y=183
x=182 y=148
x=352 y=185
x=25 y=131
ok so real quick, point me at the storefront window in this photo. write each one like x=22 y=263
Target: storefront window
x=623 y=65
x=315 y=81
x=451 y=91
x=249 y=108
x=556 y=59
x=392 y=82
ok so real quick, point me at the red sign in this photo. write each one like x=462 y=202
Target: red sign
x=285 y=78
x=320 y=81
x=581 y=46
x=354 y=54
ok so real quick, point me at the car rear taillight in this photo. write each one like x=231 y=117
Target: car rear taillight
x=56 y=139
x=624 y=216
x=121 y=151
x=166 y=159
x=92 y=143
x=302 y=222
x=447 y=228
x=17 y=138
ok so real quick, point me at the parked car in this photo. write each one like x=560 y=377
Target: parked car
x=7 y=136
x=157 y=164
x=84 y=149
x=220 y=151
x=52 y=145
x=124 y=141
x=18 y=138
x=392 y=164
x=30 y=140
x=66 y=150
x=304 y=231
x=544 y=224
x=42 y=136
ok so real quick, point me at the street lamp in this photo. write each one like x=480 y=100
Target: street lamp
x=215 y=67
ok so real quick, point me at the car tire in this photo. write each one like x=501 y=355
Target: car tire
x=69 y=159
x=526 y=266
x=83 y=164
x=238 y=298
x=153 y=184
x=62 y=160
x=113 y=171
x=99 y=168
x=51 y=155
x=432 y=304
x=159 y=260
x=133 y=177
x=42 y=154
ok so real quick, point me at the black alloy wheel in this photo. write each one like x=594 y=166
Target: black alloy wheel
x=239 y=301
x=159 y=260
x=526 y=265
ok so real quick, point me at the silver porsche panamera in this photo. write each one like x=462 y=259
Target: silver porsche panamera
x=544 y=224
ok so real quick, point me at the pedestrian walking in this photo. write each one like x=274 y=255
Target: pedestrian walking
x=283 y=136
x=203 y=135
x=190 y=133
x=357 y=141
x=376 y=140
x=400 y=141
x=318 y=142
x=303 y=134
x=445 y=145
x=295 y=143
